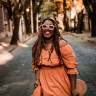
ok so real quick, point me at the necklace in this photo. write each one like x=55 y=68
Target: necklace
x=50 y=51
x=48 y=48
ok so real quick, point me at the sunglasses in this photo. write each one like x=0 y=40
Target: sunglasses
x=51 y=27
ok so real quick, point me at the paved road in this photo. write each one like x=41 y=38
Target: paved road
x=86 y=58
x=17 y=77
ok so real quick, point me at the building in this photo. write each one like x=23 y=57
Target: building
x=5 y=24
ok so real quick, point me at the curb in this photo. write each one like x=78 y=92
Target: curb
x=12 y=49
x=94 y=42
x=74 y=35
x=82 y=38
x=16 y=46
x=69 y=33
x=29 y=38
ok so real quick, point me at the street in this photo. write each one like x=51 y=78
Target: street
x=17 y=77
x=86 y=58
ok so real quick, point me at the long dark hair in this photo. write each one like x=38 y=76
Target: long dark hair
x=39 y=43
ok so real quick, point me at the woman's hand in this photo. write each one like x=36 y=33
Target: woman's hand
x=75 y=92
x=37 y=82
x=73 y=85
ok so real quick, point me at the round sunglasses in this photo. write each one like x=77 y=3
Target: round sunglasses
x=51 y=27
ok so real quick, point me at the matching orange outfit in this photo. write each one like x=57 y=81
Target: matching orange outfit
x=54 y=80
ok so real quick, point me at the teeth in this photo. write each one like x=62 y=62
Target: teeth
x=47 y=32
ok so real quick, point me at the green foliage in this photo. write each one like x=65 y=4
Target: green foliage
x=46 y=10
x=50 y=8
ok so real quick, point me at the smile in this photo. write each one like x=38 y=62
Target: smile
x=47 y=32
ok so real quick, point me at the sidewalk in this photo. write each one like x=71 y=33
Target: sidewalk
x=85 y=36
x=6 y=48
x=5 y=44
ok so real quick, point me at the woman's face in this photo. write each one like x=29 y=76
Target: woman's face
x=48 y=29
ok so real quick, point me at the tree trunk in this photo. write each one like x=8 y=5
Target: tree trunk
x=28 y=27
x=93 y=20
x=31 y=6
x=89 y=24
x=35 y=12
x=27 y=16
x=27 y=23
x=34 y=23
x=65 y=22
x=91 y=14
x=15 y=36
x=80 y=22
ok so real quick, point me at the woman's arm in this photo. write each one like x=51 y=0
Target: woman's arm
x=37 y=75
x=37 y=82
x=73 y=84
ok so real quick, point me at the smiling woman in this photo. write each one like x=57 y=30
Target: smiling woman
x=53 y=61
x=48 y=29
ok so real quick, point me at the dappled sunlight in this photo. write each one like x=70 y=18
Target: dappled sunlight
x=73 y=13
x=1 y=47
x=5 y=57
x=60 y=20
x=4 y=44
x=78 y=6
x=23 y=45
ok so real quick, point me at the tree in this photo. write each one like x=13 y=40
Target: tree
x=80 y=22
x=27 y=16
x=77 y=8
x=36 y=8
x=15 y=10
x=47 y=9
x=65 y=16
x=90 y=6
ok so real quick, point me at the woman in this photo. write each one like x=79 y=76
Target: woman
x=54 y=62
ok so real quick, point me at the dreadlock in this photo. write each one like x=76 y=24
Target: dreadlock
x=39 y=43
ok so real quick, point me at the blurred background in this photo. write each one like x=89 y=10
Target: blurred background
x=21 y=18
x=19 y=23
